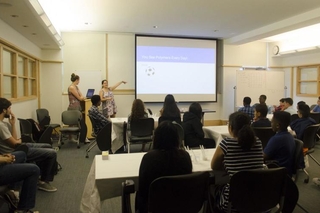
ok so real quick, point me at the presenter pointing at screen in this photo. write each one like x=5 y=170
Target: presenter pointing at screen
x=109 y=108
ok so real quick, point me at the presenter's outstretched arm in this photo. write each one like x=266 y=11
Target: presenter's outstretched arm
x=117 y=84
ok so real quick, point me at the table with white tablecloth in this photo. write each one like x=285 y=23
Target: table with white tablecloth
x=106 y=175
x=216 y=132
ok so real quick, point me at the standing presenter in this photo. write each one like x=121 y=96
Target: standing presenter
x=109 y=107
x=75 y=96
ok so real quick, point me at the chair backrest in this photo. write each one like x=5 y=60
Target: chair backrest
x=315 y=116
x=297 y=157
x=181 y=193
x=25 y=130
x=309 y=136
x=313 y=106
x=46 y=136
x=142 y=127
x=294 y=117
x=43 y=117
x=257 y=190
x=103 y=138
x=71 y=117
x=180 y=132
x=93 y=123
x=264 y=134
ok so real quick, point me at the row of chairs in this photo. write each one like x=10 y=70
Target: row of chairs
x=250 y=191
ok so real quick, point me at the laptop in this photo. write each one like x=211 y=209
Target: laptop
x=90 y=93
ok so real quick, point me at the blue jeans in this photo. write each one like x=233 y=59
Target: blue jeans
x=27 y=173
x=45 y=157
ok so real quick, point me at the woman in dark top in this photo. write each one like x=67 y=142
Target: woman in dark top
x=192 y=126
x=165 y=159
x=137 y=111
x=170 y=110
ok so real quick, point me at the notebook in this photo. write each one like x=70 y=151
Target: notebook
x=90 y=93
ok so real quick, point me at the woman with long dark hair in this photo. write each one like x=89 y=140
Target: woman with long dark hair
x=242 y=151
x=170 y=110
x=165 y=159
x=192 y=126
x=75 y=95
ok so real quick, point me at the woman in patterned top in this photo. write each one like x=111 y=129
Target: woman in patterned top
x=75 y=96
x=243 y=151
x=109 y=108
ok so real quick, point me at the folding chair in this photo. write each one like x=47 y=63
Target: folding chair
x=71 y=125
x=141 y=132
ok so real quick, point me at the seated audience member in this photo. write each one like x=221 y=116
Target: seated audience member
x=243 y=151
x=40 y=153
x=280 y=147
x=95 y=114
x=165 y=159
x=14 y=170
x=137 y=111
x=170 y=110
x=192 y=126
x=262 y=100
x=317 y=107
x=304 y=120
x=260 y=116
x=300 y=103
x=280 y=107
x=288 y=102
x=246 y=107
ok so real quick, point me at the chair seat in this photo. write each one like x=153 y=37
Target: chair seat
x=70 y=129
x=53 y=125
x=136 y=139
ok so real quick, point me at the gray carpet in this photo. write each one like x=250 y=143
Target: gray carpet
x=71 y=179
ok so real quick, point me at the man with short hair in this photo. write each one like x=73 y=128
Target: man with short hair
x=262 y=100
x=281 y=146
x=304 y=120
x=95 y=114
x=40 y=153
x=288 y=102
x=260 y=116
x=246 y=107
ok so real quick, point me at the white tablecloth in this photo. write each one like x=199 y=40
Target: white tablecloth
x=106 y=175
x=216 y=132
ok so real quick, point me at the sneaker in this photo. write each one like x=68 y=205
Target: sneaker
x=46 y=187
x=25 y=211
x=87 y=141
x=11 y=197
x=316 y=181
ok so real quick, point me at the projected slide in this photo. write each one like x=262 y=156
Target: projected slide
x=186 y=71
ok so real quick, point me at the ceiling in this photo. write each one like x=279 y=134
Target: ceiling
x=235 y=21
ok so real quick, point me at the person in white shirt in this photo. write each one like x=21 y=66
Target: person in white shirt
x=288 y=102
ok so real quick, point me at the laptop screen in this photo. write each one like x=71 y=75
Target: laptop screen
x=90 y=93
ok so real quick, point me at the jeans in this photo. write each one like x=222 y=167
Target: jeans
x=27 y=173
x=45 y=157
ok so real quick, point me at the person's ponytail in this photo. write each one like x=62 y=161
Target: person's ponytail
x=246 y=137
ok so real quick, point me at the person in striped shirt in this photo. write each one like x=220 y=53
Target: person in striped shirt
x=242 y=151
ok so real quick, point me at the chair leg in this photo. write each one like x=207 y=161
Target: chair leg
x=128 y=147
x=307 y=179
x=93 y=144
x=315 y=160
x=302 y=208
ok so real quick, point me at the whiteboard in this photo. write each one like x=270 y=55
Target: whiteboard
x=253 y=83
x=89 y=80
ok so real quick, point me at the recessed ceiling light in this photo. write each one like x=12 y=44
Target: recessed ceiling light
x=34 y=33
x=155 y=26
x=5 y=4
x=24 y=25
x=87 y=23
x=14 y=16
x=215 y=30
